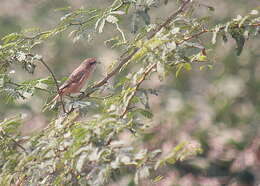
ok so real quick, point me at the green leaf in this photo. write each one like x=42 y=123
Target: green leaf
x=81 y=161
x=254 y=12
x=144 y=112
x=9 y=45
x=237 y=34
x=119 y=12
x=215 y=33
x=224 y=37
x=242 y=21
x=187 y=66
x=101 y=26
x=182 y=151
x=211 y=8
x=134 y=23
x=10 y=37
x=144 y=172
x=157 y=179
x=160 y=68
x=111 y=19
x=63 y=8
x=145 y=16
x=179 y=67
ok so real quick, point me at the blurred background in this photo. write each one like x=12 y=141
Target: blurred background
x=218 y=108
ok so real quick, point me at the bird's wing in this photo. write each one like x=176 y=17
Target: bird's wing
x=73 y=78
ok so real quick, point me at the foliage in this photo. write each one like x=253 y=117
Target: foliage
x=72 y=150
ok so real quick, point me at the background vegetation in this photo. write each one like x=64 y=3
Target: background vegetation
x=175 y=100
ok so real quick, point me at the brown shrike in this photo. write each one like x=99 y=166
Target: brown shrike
x=77 y=79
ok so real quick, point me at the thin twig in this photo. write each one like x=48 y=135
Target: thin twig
x=15 y=142
x=207 y=31
x=145 y=74
x=168 y=20
x=20 y=85
x=56 y=83
x=37 y=35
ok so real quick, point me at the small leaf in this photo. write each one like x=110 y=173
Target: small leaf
x=224 y=37
x=211 y=8
x=145 y=16
x=179 y=67
x=145 y=113
x=171 y=46
x=238 y=18
x=134 y=23
x=187 y=66
x=65 y=16
x=41 y=85
x=111 y=19
x=157 y=179
x=136 y=178
x=254 y=12
x=10 y=37
x=239 y=38
x=154 y=153
x=125 y=160
x=80 y=163
x=37 y=57
x=97 y=23
x=242 y=21
x=175 y=30
x=141 y=155
x=160 y=70
x=215 y=33
x=144 y=172
x=101 y=26
x=63 y=8
x=21 y=56
x=119 y=12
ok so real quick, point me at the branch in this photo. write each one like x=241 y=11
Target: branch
x=15 y=142
x=207 y=31
x=21 y=85
x=56 y=83
x=168 y=20
x=112 y=73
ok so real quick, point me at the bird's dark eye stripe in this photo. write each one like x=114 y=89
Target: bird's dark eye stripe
x=93 y=62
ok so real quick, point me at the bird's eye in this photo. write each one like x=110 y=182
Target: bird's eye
x=93 y=62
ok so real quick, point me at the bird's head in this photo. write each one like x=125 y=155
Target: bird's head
x=89 y=63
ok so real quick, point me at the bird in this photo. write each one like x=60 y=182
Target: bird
x=77 y=78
